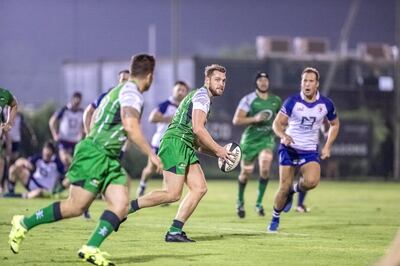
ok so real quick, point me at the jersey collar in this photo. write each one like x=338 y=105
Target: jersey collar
x=303 y=97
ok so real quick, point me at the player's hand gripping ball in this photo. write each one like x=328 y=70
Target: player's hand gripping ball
x=227 y=166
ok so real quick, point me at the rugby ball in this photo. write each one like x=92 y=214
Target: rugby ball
x=227 y=166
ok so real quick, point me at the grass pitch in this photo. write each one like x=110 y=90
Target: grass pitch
x=349 y=224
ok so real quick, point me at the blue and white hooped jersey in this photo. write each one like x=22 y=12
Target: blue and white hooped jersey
x=46 y=174
x=305 y=120
x=70 y=124
x=167 y=108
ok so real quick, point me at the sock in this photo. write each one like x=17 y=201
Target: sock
x=262 y=186
x=134 y=206
x=50 y=214
x=5 y=174
x=276 y=215
x=295 y=188
x=109 y=221
x=302 y=195
x=11 y=186
x=242 y=186
x=143 y=184
x=176 y=226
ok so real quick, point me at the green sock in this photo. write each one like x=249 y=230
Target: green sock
x=102 y=231
x=242 y=186
x=262 y=186
x=176 y=226
x=46 y=215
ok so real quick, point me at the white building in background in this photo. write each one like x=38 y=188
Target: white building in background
x=93 y=78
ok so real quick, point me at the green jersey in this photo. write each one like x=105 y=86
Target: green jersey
x=107 y=131
x=181 y=126
x=252 y=105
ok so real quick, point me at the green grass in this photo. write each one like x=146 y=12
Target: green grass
x=349 y=224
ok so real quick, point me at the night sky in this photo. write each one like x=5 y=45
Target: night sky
x=37 y=36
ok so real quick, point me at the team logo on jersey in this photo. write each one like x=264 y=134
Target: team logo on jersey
x=268 y=113
x=307 y=122
x=94 y=182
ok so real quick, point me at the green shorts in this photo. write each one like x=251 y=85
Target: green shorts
x=176 y=155
x=251 y=149
x=93 y=170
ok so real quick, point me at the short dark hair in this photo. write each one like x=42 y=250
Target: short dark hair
x=124 y=71
x=311 y=70
x=49 y=145
x=77 y=94
x=182 y=83
x=208 y=71
x=142 y=65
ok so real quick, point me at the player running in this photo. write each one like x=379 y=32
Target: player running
x=184 y=136
x=6 y=123
x=256 y=111
x=297 y=125
x=96 y=168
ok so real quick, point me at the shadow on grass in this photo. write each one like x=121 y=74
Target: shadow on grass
x=147 y=258
x=225 y=236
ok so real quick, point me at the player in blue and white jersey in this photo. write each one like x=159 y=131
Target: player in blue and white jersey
x=39 y=173
x=297 y=125
x=66 y=126
x=162 y=116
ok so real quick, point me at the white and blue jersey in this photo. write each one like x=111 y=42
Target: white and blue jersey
x=70 y=124
x=44 y=175
x=167 y=108
x=96 y=103
x=304 y=122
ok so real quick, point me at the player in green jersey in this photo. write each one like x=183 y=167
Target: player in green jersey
x=6 y=122
x=96 y=168
x=7 y=99
x=256 y=111
x=185 y=135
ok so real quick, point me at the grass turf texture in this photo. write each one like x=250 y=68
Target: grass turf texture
x=349 y=224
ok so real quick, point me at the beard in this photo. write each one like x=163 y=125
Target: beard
x=216 y=91
x=262 y=89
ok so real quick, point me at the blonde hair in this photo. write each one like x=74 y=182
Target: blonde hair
x=208 y=71
x=311 y=70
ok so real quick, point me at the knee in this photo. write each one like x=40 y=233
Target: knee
x=245 y=174
x=121 y=210
x=70 y=208
x=174 y=196
x=200 y=191
x=310 y=183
